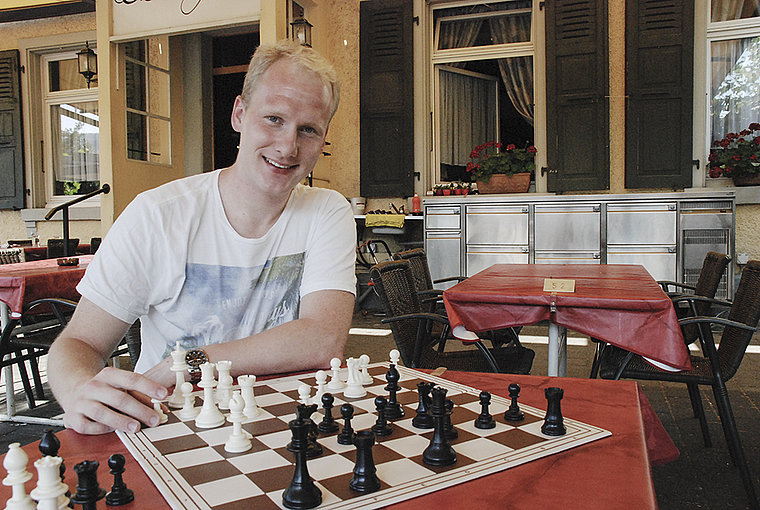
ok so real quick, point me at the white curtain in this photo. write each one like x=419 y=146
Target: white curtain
x=516 y=72
x=468 y=113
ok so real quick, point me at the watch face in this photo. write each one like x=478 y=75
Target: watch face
x=195 y=358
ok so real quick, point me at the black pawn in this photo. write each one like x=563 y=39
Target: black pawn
x=393 y=410
x=514 y=413
x=302 y=492
x=451 y=432
x=346 y=436
x=88 y=490
x=381 y=426
x=328 y=425
x=485 y=420
x=439 y=452
x=553 y=423
x=365 y=474
x=119 y=494
x=423 y=419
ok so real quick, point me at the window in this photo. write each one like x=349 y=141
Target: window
x=733 y=37
x=147 y=94
x=483 y=59
x=71 y=140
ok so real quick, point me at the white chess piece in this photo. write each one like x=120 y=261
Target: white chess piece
x=335 y=384
x=188 y=411
x=210 y=416
x=321 y=380
x=50 y=491
x=222 y=395
x=354 y=388
x=178 y=367
x=162 y=418
x=304 y=393
x=395 y=356
x=238 y=441
x=246 y=383
x=364 y=365
x=15 y=464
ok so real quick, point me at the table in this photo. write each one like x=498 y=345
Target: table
x=619 y=304
x=25 y=282
x=615 y=470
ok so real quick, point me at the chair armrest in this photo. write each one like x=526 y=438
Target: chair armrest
x=668 y=283
x=715 y=320
x=419 y=316
x=451 y=279
x=693 y=298
x=430 y=292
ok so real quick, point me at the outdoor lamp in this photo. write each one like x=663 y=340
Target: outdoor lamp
x=88 y=63
x=302 y=31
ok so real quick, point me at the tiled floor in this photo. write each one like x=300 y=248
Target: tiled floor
x=702 y=478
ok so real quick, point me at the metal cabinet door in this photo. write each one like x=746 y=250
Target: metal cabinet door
x=497 y=224
x=482 y=257
x=568 y=227
x=444 y=256
x=641 y=223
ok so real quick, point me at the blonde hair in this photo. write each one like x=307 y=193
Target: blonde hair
x=302 y=56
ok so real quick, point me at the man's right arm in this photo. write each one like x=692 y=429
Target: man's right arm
x=95 y=399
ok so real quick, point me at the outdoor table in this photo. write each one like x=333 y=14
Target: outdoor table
x=619 y=304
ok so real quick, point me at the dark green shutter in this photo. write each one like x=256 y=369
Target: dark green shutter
x=11 y=135
x=577 y=88
x=386 y=98
x=659 y=83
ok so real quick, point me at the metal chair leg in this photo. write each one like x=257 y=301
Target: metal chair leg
x=699 y=412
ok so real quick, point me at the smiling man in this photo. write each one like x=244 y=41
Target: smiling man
x=242 y=264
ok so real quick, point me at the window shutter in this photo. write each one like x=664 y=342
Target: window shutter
x=576 y=88
x=11 y=135
x=386 y=98
x=659 y=82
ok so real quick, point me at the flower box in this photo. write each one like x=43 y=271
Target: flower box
x=500 y=183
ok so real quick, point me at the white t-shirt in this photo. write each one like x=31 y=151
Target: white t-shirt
x=173 y=260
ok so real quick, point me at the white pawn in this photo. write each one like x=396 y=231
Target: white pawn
x=50 y=491
x=178 y=367
x=15 y=464
x=210 y=416
x=354 y=388
x=246 y=383
x=321 y=380
x=304 y=393
x=162 y=418
x=395 y=357
x=238 y=441
x=188 y=411
x=335 y=384
x=364 y=364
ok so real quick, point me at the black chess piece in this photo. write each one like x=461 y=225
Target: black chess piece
x=119 y=493
x=439 y=452
x=514 y=413
x=303 y=413
x=485 y=420
x=328 y=425
x=381 y=426
x=302 y=493
x=393 y=410
x=365 y=474
x=448 y=427
x=88 y=491
x=553 y=423
x=423 y=419
x=346 y=436
x=49 y=446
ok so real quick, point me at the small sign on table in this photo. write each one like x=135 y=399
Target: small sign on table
x=558 y=285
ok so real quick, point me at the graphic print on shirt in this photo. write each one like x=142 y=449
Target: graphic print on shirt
x=225 y=303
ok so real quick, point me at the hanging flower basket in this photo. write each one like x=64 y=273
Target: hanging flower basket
x=500 y=183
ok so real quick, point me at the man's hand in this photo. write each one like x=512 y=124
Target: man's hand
x=92 y=408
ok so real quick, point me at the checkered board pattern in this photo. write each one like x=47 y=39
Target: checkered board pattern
x=193 y=471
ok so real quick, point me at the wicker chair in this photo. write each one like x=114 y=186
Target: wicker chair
x=55 y=248
x=714 y=368
x=394 y=284
x=713 y=269
x=12 y=255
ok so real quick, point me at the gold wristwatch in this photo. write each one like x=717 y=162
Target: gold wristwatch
x=194 y=359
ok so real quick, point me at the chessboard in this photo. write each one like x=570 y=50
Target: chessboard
x=192 y=470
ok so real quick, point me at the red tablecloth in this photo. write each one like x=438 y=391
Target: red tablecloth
x=613 y=472
x=22 y=283
x=620 y=304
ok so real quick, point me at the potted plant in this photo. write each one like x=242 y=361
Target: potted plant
x=501 y=169
x=737 y=156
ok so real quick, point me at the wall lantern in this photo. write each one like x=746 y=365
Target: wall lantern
x=302 y=31
x=88 y=63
